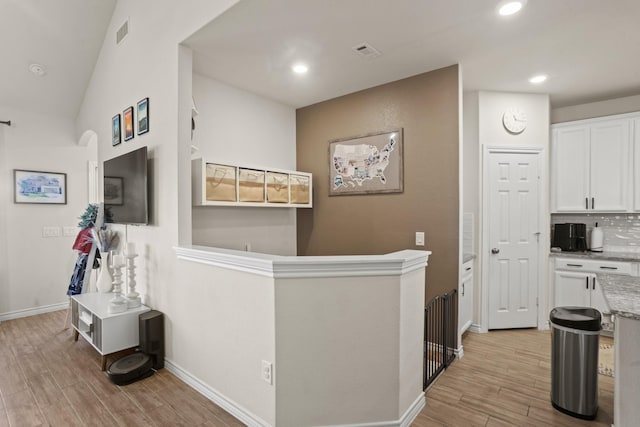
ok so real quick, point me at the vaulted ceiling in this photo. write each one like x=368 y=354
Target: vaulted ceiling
x=588 y=48
x=64 y=36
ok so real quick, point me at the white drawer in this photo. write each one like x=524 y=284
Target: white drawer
x=595 y=266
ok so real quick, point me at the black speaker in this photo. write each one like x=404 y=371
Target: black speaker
x=151 y=329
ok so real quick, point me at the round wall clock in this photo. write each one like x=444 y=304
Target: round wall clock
x=514 y=120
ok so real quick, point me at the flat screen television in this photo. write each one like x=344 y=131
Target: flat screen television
x=125 y=188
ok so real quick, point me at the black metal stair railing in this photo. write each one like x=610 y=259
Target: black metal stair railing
x=439 y=335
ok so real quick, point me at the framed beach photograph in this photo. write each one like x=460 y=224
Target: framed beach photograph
x=115 y=130
x=113 y=190
x=127 y=118
x=143 y=116
x=366 y=164
x=40 y=187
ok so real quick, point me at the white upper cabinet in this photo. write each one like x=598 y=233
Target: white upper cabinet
x=591 y=162
x=610 y=149
x=570 y=169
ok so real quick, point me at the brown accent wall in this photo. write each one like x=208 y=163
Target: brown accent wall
x=426 y=106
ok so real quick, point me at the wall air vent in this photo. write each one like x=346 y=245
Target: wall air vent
x=366 y=50
x=122 y=32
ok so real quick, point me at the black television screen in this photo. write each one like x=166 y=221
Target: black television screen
x=125 y=187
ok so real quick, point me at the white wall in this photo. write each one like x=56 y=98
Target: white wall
x=626 y=104
x=148 y=63
x=238 y=127
x=321 y=323
x=471 y=160
x=348 y=349
x=491 y=133
x=4 y=200
x=223 y=328
x=35 y=271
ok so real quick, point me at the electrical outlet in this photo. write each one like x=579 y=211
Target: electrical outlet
x=51 y=232
x=267 y=372
x=70 y=231
x=419 y=238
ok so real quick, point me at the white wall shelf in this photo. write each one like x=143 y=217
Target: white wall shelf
x=224 y=184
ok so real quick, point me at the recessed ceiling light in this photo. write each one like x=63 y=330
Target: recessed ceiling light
x=38 y=70
x=538 y=79
x=510 y=7
x=300 y=68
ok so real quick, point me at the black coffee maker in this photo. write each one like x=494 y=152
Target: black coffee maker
x=570 y=237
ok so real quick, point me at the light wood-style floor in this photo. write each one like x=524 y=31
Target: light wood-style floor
x=48 y=379
x=504 y=379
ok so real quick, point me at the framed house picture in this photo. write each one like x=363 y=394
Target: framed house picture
x=115 y=130
x=143 y=116
x=40 y=187
x=127 y=117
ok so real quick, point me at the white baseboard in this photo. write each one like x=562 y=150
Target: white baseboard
x=216 y=397
x=476 y=329
x=254 y=421
x=405 y=421
x=544 y=326
x=33 y=311
x=459 y=352
x=414 y=410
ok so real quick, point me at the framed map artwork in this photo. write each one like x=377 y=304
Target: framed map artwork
x=366 y=164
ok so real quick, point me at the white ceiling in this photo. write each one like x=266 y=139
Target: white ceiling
x=63 y=35
x=589 y=48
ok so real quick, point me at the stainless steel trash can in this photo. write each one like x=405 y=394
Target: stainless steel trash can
x=575 y=335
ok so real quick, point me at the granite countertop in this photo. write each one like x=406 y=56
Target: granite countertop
x=467 y=257
x=622 y=294
x=610 y=256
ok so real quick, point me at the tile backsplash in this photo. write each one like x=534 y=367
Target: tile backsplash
x=621 y=231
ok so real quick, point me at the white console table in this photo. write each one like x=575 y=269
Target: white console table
x=106 y=332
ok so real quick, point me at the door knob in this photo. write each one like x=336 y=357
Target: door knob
x=495 y=251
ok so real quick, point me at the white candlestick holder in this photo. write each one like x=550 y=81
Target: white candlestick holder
x=118 y=303
x=133 y=297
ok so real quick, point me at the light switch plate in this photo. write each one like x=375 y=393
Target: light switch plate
x=51 y=232
x=70 y=231
x=419 y=238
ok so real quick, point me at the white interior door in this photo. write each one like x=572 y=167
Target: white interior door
x=513 y=197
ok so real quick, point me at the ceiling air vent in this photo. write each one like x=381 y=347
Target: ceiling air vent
x=122 y=32
x=366 y=50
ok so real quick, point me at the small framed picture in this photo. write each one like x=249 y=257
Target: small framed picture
x=143 y=116
x=40 y=187
x=127 y=117
x=115 y=130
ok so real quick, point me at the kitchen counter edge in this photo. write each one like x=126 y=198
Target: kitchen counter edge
x=609 y=256
x=622 y=294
